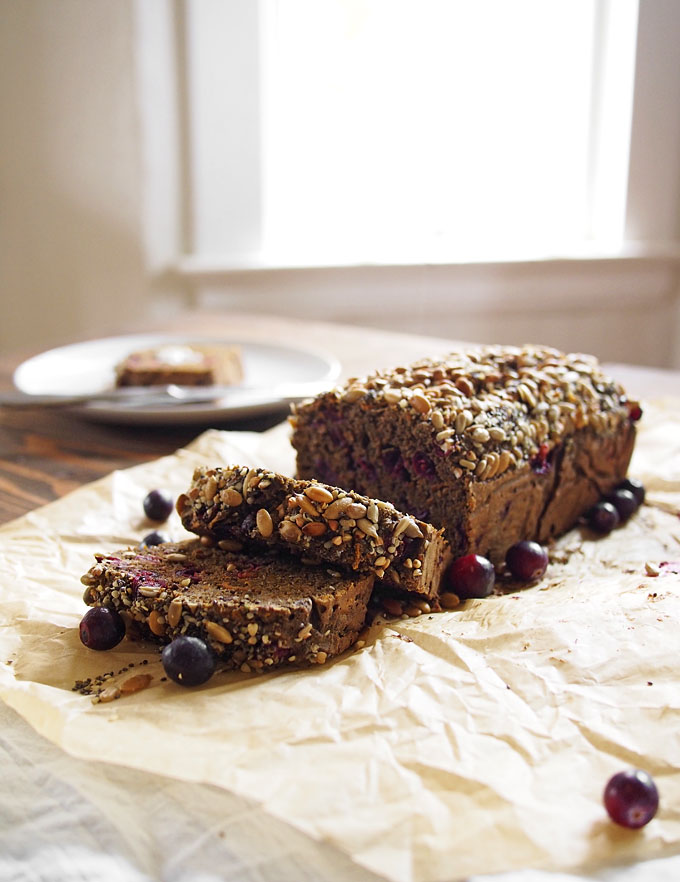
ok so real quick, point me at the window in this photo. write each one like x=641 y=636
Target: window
x=345 y=131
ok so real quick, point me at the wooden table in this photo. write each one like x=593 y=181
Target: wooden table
x=45 y=454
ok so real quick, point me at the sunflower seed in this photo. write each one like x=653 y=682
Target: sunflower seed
x=318 y=494
x=264 y=523
x=218 y=632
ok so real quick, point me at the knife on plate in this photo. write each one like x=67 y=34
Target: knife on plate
x=158 y=396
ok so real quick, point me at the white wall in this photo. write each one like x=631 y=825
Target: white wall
x=71 y=246
x=621 y=310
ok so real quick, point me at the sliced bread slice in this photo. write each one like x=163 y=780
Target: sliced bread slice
x=317 y=522
x=254 y=611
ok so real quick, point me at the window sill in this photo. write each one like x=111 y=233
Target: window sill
x=204 y=266
x=622 y=305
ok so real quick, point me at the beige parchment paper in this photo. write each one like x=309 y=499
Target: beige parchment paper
x=458 y=743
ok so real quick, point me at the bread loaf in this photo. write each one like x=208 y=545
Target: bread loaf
x=494 y=444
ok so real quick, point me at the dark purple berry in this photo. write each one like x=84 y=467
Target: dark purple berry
x=158 y=505
x=422 y=465
x=394 y=464
x=101 y=628
x=635 y=487
x=471 y=576
x=154 y=538
x=634 y=411
x=527 y=561
x=624 y=502
x=603 y=517
x=188 y=661
x=541 y=463
x=631 y=798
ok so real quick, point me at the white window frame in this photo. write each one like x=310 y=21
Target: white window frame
x=645 y=266
x=223 y=40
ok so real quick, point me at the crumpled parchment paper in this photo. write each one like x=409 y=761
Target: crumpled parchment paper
x=457 y=743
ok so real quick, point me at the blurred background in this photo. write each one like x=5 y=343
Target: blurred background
x=489 y=171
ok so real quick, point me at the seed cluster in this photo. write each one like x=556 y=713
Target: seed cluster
x=324 y=522
x=493 y=408
x=103 y=688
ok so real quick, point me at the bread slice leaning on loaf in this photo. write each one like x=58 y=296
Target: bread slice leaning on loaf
x=317 y=522
x=255 y=611
x=494 y=444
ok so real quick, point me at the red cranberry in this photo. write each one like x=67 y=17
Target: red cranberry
x=634 y=411
x=631 y=798
x=624 y=502
x=635 y=487
x=471 y=576
x=422 y=465
x=188 y=661
x=603 y=517
x=540 y=463
x=153 y=538
x=158 y=505
x=527 y=561
x=101 y=628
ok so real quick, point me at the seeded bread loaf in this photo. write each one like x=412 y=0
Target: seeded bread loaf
x=495 y=444
x=254 y=611
x=318 y=522
x=181 y=364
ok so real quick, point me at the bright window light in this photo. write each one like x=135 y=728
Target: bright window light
x=430 y=128
x=417 y=130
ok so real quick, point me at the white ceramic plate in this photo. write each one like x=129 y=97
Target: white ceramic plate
x=273 y=377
